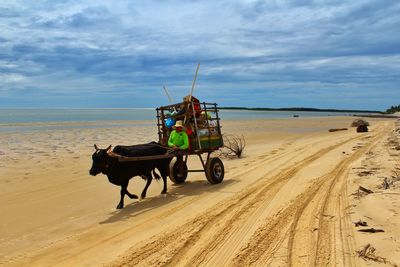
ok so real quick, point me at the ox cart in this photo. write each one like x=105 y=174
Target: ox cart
x=202 y=124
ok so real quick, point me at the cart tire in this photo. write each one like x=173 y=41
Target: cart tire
x=215 y=170
x=174 y=172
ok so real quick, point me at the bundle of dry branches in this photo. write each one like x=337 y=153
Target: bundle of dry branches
x=368 y=253
x=233 y=146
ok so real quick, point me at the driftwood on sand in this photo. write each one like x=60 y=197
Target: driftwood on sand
x=366 y=190
x=360 y=223
x=371 y=230
x=338 y=129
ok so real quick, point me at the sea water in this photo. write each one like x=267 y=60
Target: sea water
x=13 y=119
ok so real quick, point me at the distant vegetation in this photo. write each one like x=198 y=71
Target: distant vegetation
x=359 y=122
x=393 y=109
x=362 y=125
x=304 y=109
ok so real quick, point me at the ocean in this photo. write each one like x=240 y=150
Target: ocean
x=27 y=119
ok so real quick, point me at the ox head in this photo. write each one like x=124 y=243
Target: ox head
x=101 y=160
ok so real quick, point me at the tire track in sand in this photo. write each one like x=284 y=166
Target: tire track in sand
x=329 y=241
x=120 y=234
x=164 y=214
x=170 y=248
x=220 y=247
x=265 y=242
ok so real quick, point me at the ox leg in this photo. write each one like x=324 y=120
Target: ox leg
x=164 y=191
x=148 y=182
x=131 y=196
x=164 y=175
x=121 y=202
x=124 y=191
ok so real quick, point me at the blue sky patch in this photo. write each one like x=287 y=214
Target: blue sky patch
x=320 y=54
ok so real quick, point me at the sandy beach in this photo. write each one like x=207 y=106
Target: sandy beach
x=293 y=199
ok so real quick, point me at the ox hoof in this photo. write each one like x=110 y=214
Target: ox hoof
x=133 y=196
x=142 y=196
x=120 y=206
x=164 y=192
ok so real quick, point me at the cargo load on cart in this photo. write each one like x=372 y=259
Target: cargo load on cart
x=202 y=125
x=201 y=122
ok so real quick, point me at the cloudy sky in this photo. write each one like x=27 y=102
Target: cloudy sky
x=272 y=53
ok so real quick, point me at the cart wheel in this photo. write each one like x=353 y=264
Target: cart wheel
x=215 y=170
x=174 y=169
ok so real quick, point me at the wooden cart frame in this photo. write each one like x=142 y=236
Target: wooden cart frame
x=206 y=144
x=199 y=143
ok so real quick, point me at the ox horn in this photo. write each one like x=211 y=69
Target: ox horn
x=95 y=147
x=108 y=148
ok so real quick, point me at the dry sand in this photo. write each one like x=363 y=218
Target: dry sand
x=291 y=200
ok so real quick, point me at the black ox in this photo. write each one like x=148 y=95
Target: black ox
x=119 y=173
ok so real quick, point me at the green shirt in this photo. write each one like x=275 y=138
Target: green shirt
x=179 y=139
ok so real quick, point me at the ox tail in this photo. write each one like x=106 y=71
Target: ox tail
x=158 y=177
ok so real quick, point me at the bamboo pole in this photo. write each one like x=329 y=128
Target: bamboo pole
x=168 y=95
x=194 y=82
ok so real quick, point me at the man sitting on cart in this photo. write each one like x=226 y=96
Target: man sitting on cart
x=178 y=139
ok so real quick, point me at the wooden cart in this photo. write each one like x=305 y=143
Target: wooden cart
x=202 y=123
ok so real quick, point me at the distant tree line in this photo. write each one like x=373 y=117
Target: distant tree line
x=304 y=109
x=393 y=109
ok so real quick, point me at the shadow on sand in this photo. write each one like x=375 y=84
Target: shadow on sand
x=175 y=192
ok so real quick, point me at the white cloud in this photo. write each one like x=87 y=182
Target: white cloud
x=247 y=44
x=11 y=78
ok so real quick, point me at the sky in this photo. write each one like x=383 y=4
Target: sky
x=252 y=53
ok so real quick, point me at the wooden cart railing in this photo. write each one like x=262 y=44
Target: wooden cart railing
x=199 y=142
